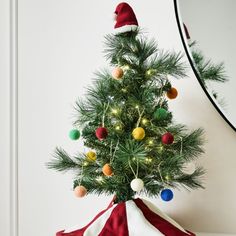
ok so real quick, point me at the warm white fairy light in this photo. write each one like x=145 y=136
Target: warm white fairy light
x=85 y=163
x=144 y=121
x=150 y=141
x=118 y=127
x=99 y=179
x=148 y=160
x=126 y=67
x=137 y=106
x=114 y=111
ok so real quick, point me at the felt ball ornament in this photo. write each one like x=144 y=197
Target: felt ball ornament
x=91 y=156
x=172 y=93
x=74 y=134
x=189 y=168
x=138 y=133
x=101 y=133
x=107 y=170
x=160 y=114
x=80 y=191
x=117 y=73
x=167 y=138
x=137 y=184
x=167 y=195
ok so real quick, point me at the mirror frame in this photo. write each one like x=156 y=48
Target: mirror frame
x=190 y=59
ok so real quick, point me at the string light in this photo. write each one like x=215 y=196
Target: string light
x=85 y=163
x=134 y=159
x=137 y=106
x=99 y=179
x=118 y=127
x=114 y=111
x=144 y=121
x=150 y=141
x=126 y=67
x=148 y=160
x=124 y=90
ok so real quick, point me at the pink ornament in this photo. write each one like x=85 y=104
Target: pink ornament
x=80 y=191
x=117 y=73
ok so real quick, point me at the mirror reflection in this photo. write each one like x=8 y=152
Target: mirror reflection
x=210 y=28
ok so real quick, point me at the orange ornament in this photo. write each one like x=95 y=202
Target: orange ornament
x=117 y=73
x=80 y=191
x=172 y=93
x=107 y=170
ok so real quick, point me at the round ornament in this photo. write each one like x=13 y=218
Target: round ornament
x=80 y=191
x=189 y=168
x=74 y=134
x=107 y=170
x=167 y=138
x=138 y=133
x=91 y=156
x=160 y=114
x=101 y=133
x=167 y=195
x=137 y=184
x=172 y=93
x=117 y=73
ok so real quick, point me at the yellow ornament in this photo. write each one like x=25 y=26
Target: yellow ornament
x=91 y=156
x=138 y=133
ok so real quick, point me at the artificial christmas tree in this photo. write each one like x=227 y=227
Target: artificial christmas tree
x=134 y=145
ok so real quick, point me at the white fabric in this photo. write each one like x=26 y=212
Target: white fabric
x=137 y=223
x=153 y=208
x=125 y=28
x=96 y=226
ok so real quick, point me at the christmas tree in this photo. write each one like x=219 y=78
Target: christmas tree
x=124 y=121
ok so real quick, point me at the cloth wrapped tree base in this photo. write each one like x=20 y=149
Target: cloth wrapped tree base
x=136 y=217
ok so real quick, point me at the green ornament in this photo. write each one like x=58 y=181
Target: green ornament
x=74 y=134
x=160 y=114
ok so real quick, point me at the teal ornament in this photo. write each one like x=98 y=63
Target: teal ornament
x=160 y=114
x=74 y=134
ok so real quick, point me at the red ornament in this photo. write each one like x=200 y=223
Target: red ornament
x=167 y=138
x=101 y=133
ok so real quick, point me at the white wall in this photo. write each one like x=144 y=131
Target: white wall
x=60 y=46
x=4 y=118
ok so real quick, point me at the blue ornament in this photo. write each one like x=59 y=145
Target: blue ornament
x=167 y=195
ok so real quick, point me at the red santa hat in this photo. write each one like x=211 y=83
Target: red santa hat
x=132 y=218
x=125 y=18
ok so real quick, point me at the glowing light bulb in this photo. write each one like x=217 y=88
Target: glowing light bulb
x=99 y=179
x=85 y=163
x=137 y=106
x=118 y=127
x=126 y=67
x=144 y=121
x=114 y=111
x=148 y=160
x=150 y=142
x=134 y=158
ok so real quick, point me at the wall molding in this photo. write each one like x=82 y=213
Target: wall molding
x=14 y=203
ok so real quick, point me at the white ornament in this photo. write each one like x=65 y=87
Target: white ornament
x=189 y=168
x=137 y=184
